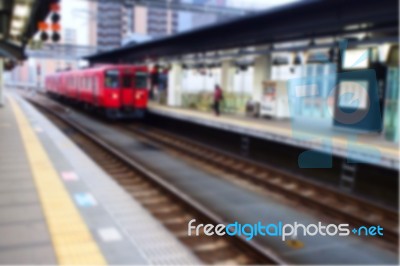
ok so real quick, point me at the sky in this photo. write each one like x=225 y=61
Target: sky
x=258 y=4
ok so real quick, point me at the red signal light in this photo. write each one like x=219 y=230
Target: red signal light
x=43 y=26
x=55 y=7
x=56 y=27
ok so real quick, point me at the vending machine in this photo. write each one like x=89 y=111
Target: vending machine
x=392 y=108
x=274 y=102
x=359 y=93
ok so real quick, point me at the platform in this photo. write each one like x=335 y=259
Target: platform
x=58 y=207
x=367 y=148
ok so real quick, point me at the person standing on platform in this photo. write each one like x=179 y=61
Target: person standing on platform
x=162 y=85
x=154 y=81
x=218 y=97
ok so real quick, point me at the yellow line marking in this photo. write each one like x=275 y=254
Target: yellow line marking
x=72 y=240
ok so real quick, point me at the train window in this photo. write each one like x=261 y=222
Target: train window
x=141 y=80
x=96 y=84
x=93 y=81
x=112 y=79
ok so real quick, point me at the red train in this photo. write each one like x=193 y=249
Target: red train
x=117 y=91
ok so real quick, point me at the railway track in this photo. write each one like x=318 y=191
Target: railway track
x=265 y=179
x=173 y=208
x=319 y=198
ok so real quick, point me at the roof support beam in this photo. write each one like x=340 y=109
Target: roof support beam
x=11 y=51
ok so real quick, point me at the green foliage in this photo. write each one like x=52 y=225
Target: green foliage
x=233 y=103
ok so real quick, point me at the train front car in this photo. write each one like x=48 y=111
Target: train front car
x=134 y=91
x=126 y=91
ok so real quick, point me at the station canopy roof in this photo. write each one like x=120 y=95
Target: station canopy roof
x=296 y=21
x=18 y=23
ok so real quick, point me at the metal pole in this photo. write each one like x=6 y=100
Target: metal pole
x=1 y=82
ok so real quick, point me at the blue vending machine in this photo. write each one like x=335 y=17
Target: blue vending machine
x=359 y=93
x=391 y=118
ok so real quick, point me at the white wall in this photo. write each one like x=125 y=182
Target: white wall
x=243 y=80
x=194 y=81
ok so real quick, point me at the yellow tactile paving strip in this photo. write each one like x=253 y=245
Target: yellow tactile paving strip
x=338 y=141
x=72 y=240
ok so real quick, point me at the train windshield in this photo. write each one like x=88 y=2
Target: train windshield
x=112 y=79
x=141 y=80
